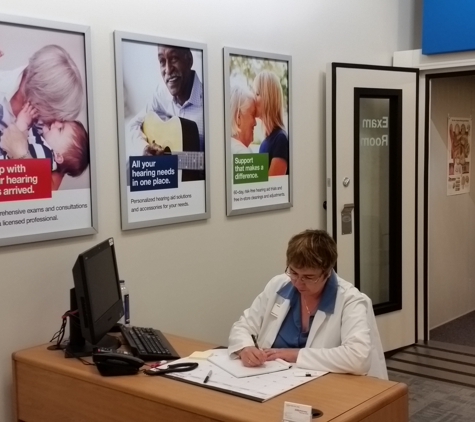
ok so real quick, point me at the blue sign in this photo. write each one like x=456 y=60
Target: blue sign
x=153 y=173
x=448 y=26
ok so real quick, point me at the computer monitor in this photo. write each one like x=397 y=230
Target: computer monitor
x=97 y=298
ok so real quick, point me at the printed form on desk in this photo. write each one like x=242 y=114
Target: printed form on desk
x=254 y=387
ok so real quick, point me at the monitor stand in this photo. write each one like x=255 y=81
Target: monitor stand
x=78 y=346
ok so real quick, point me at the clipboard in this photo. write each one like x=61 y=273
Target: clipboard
x=259 y=388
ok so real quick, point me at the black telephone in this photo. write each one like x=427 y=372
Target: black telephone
x=111 y=362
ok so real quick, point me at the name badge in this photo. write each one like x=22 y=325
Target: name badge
x=276 y=310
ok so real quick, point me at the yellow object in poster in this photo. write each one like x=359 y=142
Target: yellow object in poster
x=161 y=133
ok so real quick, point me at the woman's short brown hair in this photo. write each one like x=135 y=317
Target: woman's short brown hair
x=312 y=249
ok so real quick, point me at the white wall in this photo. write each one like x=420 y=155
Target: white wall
x=451 y=218
x=194 y=279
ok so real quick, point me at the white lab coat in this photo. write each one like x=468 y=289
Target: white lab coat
x=337 y=342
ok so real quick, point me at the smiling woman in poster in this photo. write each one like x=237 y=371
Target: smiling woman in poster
x=51 y=84
x=270 y=109
x=243 y=119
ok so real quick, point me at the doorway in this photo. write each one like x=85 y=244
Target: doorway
x=433 y=68
x=450 y=210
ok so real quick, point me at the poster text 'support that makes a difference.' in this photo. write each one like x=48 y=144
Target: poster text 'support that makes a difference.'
x=250 y=168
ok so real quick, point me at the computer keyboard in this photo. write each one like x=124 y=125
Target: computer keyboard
x=148 y=343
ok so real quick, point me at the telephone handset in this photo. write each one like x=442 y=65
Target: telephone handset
x=110 y=362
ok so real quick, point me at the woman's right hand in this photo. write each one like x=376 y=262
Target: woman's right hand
x=252 y=356
x=14 y=142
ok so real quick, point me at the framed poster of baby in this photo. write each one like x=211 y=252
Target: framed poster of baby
x=258 y=131
x=162 y=124
x=47 y=177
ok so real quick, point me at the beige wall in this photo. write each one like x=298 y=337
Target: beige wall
x=451 y=218
x=194 y=279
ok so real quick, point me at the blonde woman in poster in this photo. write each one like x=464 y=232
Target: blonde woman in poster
x=243 y=119
x=38 y=105
x=270 y=109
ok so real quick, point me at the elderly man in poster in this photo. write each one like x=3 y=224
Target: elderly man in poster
x=181 y=95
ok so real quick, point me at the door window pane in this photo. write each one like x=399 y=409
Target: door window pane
x=374 y=188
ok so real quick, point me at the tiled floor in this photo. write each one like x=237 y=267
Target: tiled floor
x=437 y=401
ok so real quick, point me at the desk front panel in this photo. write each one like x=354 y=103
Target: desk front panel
x=46 y=396
x=47 y=382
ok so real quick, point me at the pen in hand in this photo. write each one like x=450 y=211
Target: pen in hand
x=208 y=377
x=254 y=339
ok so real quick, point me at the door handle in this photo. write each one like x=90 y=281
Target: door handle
x=346 y=219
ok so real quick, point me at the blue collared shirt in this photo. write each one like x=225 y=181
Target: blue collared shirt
x=291 y=334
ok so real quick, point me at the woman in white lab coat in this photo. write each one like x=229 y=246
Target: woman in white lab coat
x=310 y=316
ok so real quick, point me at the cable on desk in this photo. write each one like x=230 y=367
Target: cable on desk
x=83 y=361
x=59 y=335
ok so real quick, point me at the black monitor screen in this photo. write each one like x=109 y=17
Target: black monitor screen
x=101 y=281
x=96 y=296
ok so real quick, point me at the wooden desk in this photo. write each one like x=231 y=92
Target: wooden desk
x=50 y=388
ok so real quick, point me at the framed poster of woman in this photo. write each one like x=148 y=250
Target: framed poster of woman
x=258 y=131
x=47 y=177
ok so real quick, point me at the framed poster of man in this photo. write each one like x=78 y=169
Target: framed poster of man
x=47 y=177
x=258 y=131
x=162 y=125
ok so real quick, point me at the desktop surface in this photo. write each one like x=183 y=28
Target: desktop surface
x=48 y=386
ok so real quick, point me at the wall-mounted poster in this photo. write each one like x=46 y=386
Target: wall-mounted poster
x=258 y=132
x=162 y=124
x=458 y=155
x=47 y=182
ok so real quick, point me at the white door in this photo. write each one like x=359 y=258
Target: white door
x=371 y=188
